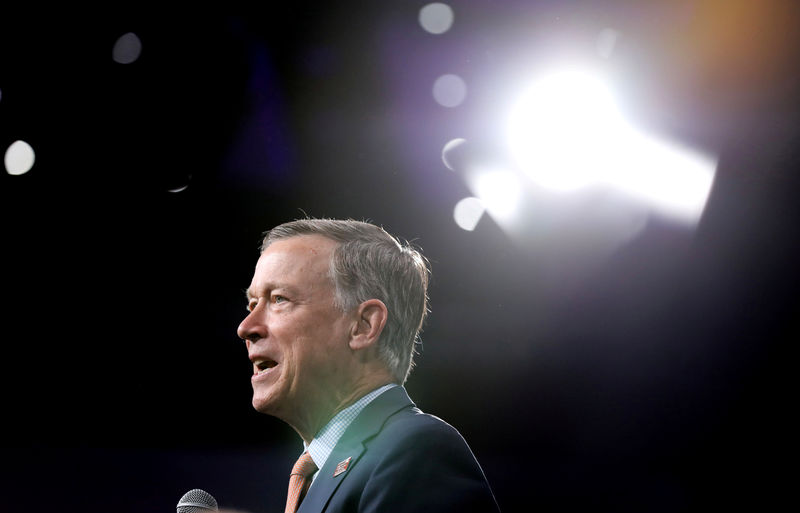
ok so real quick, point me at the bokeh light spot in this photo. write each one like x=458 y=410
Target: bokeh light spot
x=451 y=154
x=436 y=18
x=468 y=212
x=19 y=158
x=449 y=90
x=127 y=48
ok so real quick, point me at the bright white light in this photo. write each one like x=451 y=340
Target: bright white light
x=560 y=131
x=673 y=180
x=436 y=18
x=567 y=134
x=499 y=191
x=449 y=90
x=127 y=48
x=19 y=158
x=468 y=212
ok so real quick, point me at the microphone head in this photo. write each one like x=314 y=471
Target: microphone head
x=197 y=501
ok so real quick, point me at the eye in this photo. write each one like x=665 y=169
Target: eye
x=277 y=298
x=251 y=305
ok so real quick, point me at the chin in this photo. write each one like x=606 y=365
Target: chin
x=268 y=402
x=262 y=405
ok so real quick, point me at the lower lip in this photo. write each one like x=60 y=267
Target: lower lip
x=263 y=375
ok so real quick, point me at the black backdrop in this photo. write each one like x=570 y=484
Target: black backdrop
x=656 y=378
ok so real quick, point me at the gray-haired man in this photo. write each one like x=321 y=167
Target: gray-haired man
x=335 y=309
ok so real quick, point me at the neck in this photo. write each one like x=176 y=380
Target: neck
x=309 y=427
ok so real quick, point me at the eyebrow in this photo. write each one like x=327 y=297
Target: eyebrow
x=248 y=293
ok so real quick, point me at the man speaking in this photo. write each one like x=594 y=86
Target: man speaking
x=335 y=308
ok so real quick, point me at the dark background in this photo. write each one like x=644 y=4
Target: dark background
x=653 y=378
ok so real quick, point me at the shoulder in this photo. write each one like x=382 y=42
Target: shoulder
x=422 y=429
x=405 y=432
x=412 y=437
x=419 y=460
x=408 y=461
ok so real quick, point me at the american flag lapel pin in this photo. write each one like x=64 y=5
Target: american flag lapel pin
x=342 y=466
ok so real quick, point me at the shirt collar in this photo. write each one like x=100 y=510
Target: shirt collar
x=322 y=445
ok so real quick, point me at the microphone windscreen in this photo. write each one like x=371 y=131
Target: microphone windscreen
x=197 y=501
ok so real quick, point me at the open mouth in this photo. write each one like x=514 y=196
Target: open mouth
x=262 y=366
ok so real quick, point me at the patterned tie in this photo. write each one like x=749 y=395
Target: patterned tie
x=299 y=481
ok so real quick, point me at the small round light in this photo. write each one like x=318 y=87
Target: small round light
x=449 y=90
x=468 y=212
x=19 y=158
x=436 y=18
x=127 y=48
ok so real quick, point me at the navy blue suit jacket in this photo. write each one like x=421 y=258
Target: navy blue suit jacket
x=400 y=460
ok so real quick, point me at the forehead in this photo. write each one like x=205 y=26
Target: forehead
x=302 y=260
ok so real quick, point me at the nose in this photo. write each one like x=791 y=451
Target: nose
x=253 y=328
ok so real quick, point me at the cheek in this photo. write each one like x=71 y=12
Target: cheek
x=311 y=344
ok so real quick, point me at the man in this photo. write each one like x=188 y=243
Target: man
x=335 y=309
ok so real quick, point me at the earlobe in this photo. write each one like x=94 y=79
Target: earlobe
x=372 y=315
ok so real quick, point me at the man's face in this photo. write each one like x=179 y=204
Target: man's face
x=296 y=338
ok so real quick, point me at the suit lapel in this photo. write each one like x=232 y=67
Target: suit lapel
x=353 y=445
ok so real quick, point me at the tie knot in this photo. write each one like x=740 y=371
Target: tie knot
x=305 y=466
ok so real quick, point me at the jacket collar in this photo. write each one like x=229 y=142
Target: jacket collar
x=352 y=446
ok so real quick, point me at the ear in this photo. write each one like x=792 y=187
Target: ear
x=371 y=318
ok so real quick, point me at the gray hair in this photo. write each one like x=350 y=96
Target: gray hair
x=369 y=263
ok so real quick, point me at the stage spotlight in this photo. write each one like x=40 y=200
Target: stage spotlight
x=567 y=134
x=436 y=18
x=19 y=158
x=468 y=212
x=561 y=129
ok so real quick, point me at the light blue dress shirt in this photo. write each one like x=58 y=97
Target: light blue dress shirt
x=322 y=445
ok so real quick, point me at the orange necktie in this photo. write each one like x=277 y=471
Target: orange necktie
x=299 y=481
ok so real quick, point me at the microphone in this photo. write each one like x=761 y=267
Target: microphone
x=197 y=501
